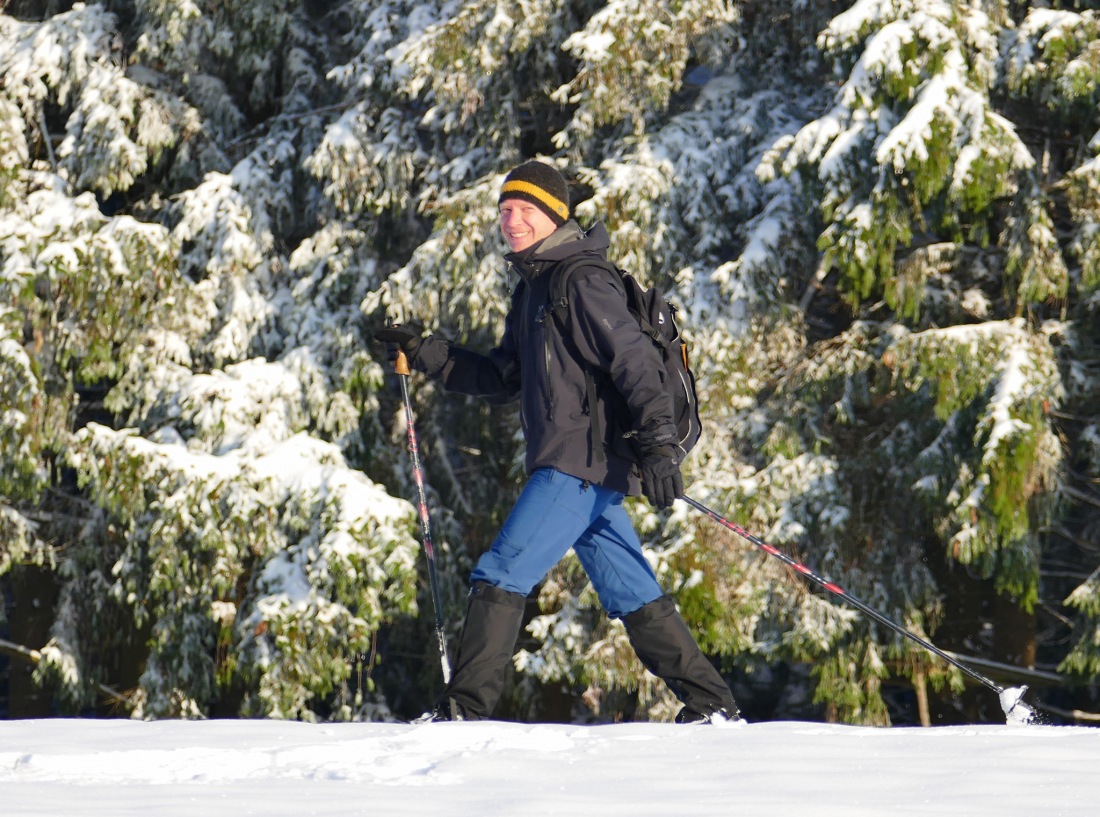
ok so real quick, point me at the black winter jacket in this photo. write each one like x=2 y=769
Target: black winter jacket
x=544 y=367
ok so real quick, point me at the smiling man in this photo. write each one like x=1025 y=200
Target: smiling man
x=578 y=470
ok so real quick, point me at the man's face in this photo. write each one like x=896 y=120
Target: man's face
x=523 y=224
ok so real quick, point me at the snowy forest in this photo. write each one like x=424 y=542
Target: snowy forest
x=880 y=221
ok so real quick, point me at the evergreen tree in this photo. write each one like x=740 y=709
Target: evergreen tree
x=192 y=393
x=940 y=398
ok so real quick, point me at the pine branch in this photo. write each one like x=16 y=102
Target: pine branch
x=32 y=656
x=1082 y=496
x=1076 y=714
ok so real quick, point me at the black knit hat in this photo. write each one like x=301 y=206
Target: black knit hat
x=541 y=185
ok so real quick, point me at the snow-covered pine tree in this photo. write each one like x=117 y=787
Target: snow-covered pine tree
x=1051 y=67
x=203 y=511
x=937 y=404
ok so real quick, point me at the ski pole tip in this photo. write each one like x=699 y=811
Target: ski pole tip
x=1016 y=711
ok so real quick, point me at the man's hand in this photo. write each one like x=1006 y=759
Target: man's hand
x=661 y=480
x=401 y=337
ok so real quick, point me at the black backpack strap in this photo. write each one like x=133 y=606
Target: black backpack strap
x=641 y=305
x=651 y=331
x=559 y=301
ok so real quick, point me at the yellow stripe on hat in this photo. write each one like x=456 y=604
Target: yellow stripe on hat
x=553 y=202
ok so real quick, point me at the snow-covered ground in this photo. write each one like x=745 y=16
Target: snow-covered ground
x=117 y=768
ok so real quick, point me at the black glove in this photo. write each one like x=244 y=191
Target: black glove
x=401 y=338
x=661 y=480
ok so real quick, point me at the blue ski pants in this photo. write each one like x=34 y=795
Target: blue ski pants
x=556 y=512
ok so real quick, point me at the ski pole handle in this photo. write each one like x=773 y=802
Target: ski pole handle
x=401 y=365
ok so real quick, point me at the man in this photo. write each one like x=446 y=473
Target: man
x=576 y=484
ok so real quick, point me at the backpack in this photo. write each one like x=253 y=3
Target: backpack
x=657 y=319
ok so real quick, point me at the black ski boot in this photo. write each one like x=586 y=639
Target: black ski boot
x=667 y=648
x=484 y=651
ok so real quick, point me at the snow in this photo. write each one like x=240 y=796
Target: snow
x=115 y=768
x=1011 y=391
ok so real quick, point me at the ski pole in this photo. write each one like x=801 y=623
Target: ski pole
x=401 y=366
x=1009 y=698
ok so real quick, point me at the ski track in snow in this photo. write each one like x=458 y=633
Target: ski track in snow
x=108 y=768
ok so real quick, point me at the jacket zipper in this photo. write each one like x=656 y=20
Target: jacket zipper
x=541 y=318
